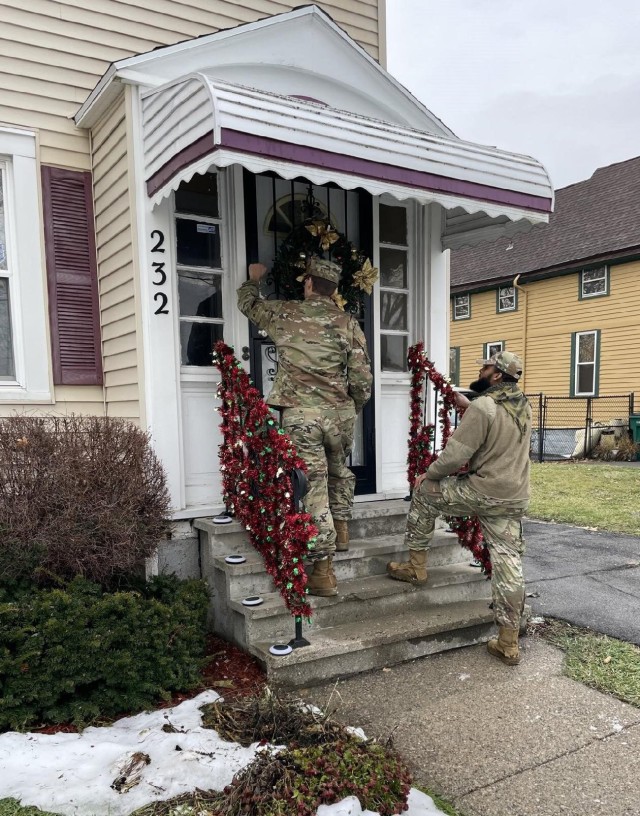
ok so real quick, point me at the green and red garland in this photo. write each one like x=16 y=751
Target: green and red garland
x=256 y=460
x=421 y=444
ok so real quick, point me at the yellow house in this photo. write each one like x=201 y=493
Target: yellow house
x=566 y=296
x=151 y=149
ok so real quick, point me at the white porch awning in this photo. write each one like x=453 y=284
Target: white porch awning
x=197 y=121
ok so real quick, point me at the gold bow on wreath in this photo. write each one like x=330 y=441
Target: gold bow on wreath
x=365 y=277
x=337 y=298
x=324 y=232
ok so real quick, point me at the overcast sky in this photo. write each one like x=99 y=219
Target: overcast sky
x=555 y=79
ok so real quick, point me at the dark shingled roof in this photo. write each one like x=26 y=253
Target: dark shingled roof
x=592 y=220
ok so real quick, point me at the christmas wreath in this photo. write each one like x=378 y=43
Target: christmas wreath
x=256 y=461
x=316 y=236
x=421 y=448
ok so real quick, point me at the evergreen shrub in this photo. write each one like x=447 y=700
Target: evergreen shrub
x=78 y=496
x=77 y=653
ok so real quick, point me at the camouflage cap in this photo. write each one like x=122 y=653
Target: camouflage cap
x=319 y=268
x=505 y=361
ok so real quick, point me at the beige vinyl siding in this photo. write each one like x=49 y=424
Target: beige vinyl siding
x=52 y=53
x=553 y=311
x=115 y=264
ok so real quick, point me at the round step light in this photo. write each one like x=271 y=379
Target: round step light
x=280 y=649
x=235 y=559
x=223 y=518
x=252 y=600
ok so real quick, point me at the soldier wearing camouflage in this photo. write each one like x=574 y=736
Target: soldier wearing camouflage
x=323 y=381
x=494 y=438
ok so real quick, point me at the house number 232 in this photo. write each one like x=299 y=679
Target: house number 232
x=159 y=275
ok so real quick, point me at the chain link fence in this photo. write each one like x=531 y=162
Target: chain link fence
x=571 y=427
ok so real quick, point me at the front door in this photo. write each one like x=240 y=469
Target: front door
x=273 y=207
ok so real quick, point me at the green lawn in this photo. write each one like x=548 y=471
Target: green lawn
x=601 y=496
x=10 y=807
x=604 y=663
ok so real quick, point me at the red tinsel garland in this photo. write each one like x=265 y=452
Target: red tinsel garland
x=256 y=459
x=421 y=436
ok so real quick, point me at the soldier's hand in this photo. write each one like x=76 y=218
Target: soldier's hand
x=257 y=271
x=461 y=400
x=419 y=480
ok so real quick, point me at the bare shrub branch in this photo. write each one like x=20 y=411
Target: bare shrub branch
x=78 y=496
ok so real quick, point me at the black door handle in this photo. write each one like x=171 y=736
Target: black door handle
x=245 y=353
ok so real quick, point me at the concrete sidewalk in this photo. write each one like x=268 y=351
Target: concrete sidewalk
x=501 y=741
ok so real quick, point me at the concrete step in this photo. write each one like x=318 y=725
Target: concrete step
x=358 y=646
x=363 y=558
x=370 y=520
x=359 y=599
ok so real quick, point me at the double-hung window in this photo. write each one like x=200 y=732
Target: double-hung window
x=7 y=360
x=594 y=282
x=25 y=367
x=507 y=299
x=461 y=307
x=585 y=355
x=199 y=265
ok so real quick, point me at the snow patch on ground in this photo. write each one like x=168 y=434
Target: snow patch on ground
x=72 y=774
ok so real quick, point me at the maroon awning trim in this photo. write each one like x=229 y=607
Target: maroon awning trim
x=315 y=157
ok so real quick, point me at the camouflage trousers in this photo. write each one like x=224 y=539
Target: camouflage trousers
x=323 y=440
x=501 y=524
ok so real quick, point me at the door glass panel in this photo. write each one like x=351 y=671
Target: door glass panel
x=393 y=268
x=393 y=352
x=198 y=196
x=393 y=311
x=198 y=243
x=197 y=341
x=200 y=294
x=393 y=225
x=7 y=369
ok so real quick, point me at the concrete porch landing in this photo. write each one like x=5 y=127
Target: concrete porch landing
x=372 y=622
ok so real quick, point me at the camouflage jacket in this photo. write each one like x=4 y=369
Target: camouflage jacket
x=322 y=352
x=498 y=454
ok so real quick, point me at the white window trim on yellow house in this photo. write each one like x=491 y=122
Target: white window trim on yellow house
x=32 y=373
x=459 y=303
x=589 y=276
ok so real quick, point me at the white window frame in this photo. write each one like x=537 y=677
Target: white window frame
x=409 y=248
x=489 y=344
x=514 y=295
x=605 y=276
x=577 y=364
x=202 y=371
x=29 y=316
x=7 y=274
x=457 y=298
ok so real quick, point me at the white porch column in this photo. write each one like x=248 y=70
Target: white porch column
x=437 y=328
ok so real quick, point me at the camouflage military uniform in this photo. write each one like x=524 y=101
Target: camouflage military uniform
x=501 y=524
x=323 y=380
x=494 y=438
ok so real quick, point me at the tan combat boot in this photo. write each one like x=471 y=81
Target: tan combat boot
x=414 y=571
x=322 y=581
x=342 y=535
x=505 y=646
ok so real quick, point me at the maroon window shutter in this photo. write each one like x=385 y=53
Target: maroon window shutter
x=70 y=248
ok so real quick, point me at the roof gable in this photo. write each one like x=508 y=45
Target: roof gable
x=298 y=53
x=593 y=218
